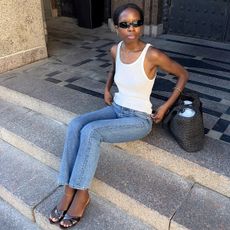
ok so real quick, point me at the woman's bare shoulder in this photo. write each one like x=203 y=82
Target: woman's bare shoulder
x=113 y=50
x=156 y=56
x=154 y=52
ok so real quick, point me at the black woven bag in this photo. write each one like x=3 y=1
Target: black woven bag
x=188 y=131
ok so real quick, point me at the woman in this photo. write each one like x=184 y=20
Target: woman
x=126 y=118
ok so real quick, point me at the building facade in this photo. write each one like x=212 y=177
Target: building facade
x=23 y=27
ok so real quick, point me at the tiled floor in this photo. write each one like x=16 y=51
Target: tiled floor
x=77 y=54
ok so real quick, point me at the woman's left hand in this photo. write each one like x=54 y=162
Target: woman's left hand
x=159 y=114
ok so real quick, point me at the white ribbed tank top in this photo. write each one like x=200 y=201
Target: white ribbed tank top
x=134 y=87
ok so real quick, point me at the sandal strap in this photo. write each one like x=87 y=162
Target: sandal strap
x=59 y=212
x=56 y=215
x=72 y=219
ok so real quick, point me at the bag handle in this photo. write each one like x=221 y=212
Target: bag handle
x=168 y=117
x=196 y=103
x=179 y=105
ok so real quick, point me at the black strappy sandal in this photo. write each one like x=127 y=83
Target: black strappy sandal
x=72 y=219
x=56 y=215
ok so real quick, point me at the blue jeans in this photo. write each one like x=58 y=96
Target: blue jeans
x=111 y=124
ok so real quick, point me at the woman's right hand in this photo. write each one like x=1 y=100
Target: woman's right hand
x=160 y=113
x=108 y=98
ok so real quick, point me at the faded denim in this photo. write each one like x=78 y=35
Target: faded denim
x=112 y=124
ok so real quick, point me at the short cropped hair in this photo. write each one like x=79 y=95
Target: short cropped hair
x=121 y=8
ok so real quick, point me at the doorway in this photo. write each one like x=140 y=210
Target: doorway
x=68 y=8
x=205 y=19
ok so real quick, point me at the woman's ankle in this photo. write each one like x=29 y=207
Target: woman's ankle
x=79 y=202
x=69 y=191
x=82 y=195
x=66 y=199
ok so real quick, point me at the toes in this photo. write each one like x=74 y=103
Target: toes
x=64 y=224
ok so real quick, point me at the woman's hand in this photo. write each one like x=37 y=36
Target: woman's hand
x=159 y=114
x=108 y=97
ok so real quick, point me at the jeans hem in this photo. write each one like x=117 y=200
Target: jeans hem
x=73 y=186
x=78 y=187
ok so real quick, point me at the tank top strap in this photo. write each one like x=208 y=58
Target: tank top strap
x=144 y=51
x=118 y=52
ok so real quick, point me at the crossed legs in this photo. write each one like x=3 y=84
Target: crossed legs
x=81 y=154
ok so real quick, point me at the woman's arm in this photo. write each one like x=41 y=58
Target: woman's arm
x=165 y=63
x=107 y=95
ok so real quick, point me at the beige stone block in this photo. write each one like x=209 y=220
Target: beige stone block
x=16 y=60
x=21 y=33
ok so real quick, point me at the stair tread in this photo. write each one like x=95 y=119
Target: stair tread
x=203 y=209
x=155 y=187
x=214 y=156
x=23 y=179
x=11 y=219
x=40 y=130
x=48 y=134
x=34 y=184
x=100 y=214
x=75 y=101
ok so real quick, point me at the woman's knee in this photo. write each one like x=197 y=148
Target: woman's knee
x=90 y=131
x=75 y=125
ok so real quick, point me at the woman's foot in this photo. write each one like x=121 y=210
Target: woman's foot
x=60 y=210
x=76 y=210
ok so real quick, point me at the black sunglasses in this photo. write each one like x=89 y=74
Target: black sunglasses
x=125 y=25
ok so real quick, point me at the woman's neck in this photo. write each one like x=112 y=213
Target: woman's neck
x=132 y=47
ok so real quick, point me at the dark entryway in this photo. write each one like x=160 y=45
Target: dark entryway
x=207 y=19
x=100 y=9
x=68 y=8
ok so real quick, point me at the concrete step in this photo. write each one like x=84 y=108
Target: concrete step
x=11 y=219
x=36 y=134
x=30 y=187
x=56 y=99
x=135 y=185
x=24 y=181
x=208 y=167
x=100 y=214
x=203 y=209
x=43 y=138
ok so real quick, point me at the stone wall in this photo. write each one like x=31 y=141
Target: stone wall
x=21 y=33
x=152 y=14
